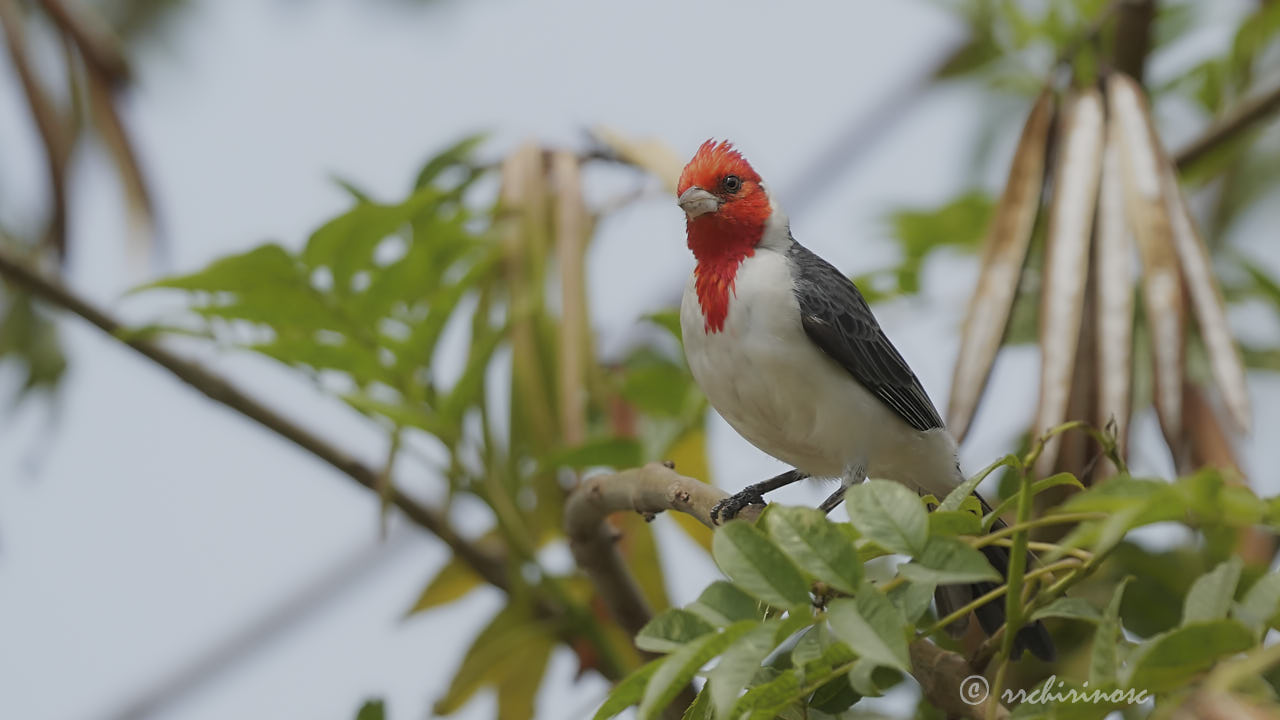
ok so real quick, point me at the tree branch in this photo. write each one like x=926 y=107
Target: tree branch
x=656 y=487
x=488 y=565
x=1239 y=119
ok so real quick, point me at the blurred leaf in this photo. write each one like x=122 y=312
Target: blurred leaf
x=29 y=338
x=672 y=629
x=954 y=522
x=871 y=623
x=346 y=243
x=816 y=547
x=1071 y=608
x=913 y=599
x=679 y=668
x=1167 y=661
x=640 y=551
x=945 y=561
x=615 y=452
x=372 y=710
x=266 y=268
x=455 y=580
x=958 y=223
x=723 y=604
x=458 y=154
x=889 y=515
x=701 y=707
x=510 y=654
x=1259 y=609
x=689 y=454
x=757 y=566
x=629 y=691
x=1210 y=595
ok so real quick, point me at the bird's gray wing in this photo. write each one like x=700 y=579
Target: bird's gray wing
x=837 y=319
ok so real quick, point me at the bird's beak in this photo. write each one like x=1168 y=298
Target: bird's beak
x=695 y=201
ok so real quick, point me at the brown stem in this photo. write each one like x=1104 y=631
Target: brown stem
x=656 y=487
x=1133 y=36
x=95 y=39
x=1241 y=118
x=54 y=133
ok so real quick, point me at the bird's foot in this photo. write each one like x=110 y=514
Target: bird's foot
x=728 y=508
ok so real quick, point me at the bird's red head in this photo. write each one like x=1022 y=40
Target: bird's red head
x=726 y=209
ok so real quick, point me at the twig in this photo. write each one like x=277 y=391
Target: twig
x=486 y=564
x=1133 y=36
x=54 y=133
x=657 y=487
x=95 y=39
x=1239 y=119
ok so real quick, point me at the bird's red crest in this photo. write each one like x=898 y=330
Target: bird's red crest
x=712 y=163
x=722 y=239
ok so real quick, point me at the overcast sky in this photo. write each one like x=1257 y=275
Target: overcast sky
x=140 y=525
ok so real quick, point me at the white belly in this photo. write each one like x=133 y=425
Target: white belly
x=788 y=398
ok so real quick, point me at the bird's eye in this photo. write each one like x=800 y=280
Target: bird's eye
x=732 y=183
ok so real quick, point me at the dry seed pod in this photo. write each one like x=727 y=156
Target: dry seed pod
x=1003 y=255
x=1075 y=192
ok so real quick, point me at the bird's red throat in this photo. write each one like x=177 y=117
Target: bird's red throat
x=720 y=244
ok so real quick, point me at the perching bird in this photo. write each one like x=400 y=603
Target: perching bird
x=788 y=352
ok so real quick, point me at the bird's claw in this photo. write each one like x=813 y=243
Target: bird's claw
x=728 y=508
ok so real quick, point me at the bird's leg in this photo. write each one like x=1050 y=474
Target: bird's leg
x=726 y=509
x=852 y=477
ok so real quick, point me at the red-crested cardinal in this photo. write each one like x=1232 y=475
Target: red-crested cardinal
x=788 y=352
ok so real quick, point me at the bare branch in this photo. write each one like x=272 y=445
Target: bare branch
x=656 y=487
x=1238 y=120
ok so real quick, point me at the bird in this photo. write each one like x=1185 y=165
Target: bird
x=788 y=352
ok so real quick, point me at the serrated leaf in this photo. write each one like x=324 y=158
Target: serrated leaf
x=1167 y=661
x=871 y=623
x=741 y=660
x=457 y=154
x=671 y=677
x=1105 y=659
x=1260 y=606
x=262 y=267
x=671 y=630
x=629 y=691
x=723 y=603
x=767 y=700
x=454 y=581
x=1071 y=608
x=816 y=546
x=889 y=515
x=947 y=561
x=1210 y=595
x=757 y=566
x=346 y=243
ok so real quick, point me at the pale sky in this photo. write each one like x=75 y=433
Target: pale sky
x=140 y=525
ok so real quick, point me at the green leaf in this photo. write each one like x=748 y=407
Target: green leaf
x=1260 y=607
x=457 y=154
x=671 y=630
x=1105 y=660
x=741 y=661
x=913 y=599
x=372 y=710
x=455 y=580
x=757 y=566
x=629 y=691
x=767 y=700
x=266 y=266
x=1071 y=608
x=815 y=545
x=1210 y=595
x=510 y=654
x=946 y=561
x=957 y=496
x=871 y=623
x=1167 y=661
x=671 y=677
x=871 y=679
x=701 y=707
x=954 y=522
x=835 y=696
x=889 y=515
x=612 y=451
x=346 y=243
x=723 y=603
x=1037 y=487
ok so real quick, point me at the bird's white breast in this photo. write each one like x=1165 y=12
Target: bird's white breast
x=787 y=397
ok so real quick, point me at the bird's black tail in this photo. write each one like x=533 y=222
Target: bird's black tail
x=949 y=598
